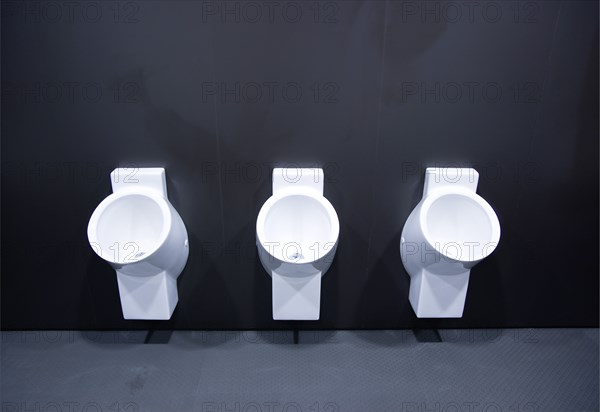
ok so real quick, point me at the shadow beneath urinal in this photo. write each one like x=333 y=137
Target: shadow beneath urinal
x=386 y=338
x=103 y=293
x=262 y=294
x=200 y=288
x=485 y=293
x=317 y=337
x=113 y=339
x=196 y=339
x=248 y=283
x=192 y=340
x=329 y=316
x=205 y=289
x=385 y=294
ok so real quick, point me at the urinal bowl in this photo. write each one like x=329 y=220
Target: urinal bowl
x=143 y=238
x=297 y=232
x=448 y=233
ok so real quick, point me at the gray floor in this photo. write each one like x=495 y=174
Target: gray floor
x=517 y=370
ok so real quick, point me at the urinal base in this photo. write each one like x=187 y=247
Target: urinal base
x=438 y=296
x=296 y=298
x=147 y=297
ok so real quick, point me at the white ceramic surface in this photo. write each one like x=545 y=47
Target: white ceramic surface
x=140 y=234
x=449 y=231
x=297 y=232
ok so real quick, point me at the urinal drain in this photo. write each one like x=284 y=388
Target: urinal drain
x=296 y=256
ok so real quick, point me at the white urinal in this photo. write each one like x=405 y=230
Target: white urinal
x=297 y=231
x=140 y=234
x=449 y=231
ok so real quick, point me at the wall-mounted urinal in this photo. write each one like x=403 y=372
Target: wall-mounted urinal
x=449 y=231
x=297 y=232
x=140 y=234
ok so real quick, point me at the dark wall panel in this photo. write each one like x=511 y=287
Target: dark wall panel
x=374 y=92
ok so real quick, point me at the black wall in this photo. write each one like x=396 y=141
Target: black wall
x=387 y=89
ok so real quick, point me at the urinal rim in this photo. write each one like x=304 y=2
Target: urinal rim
x=282 y=194
x=480 y=201
x=121 y=195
